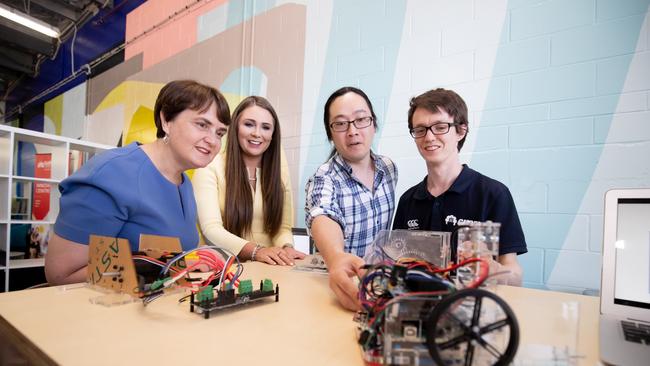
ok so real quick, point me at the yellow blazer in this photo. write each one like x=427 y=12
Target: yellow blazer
x=210 y=191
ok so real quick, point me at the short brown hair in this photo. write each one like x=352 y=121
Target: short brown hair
x=179 y=95
x=449 y=101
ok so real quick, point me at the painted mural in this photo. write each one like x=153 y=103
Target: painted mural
x=558 y=92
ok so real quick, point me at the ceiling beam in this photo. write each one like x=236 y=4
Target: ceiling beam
x=17 y=61
x=59 y=8
x=7 y=75
x=25 y=38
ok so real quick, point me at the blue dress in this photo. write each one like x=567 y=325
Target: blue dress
x=120 y=193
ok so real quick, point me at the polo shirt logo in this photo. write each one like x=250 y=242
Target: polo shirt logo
x=413 y=224
x=450 y=219
x=467 y=222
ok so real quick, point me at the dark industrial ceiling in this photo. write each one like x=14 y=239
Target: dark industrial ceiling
x=23 y=50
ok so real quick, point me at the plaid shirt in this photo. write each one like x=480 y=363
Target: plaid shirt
x=333 y=191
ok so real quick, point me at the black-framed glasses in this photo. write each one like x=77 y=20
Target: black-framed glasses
x=361 y=122
x=440 y=128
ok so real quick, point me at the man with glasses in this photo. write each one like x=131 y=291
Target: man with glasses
x=452 y=194
x=351 y=197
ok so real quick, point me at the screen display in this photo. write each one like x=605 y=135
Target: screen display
x=632 y=286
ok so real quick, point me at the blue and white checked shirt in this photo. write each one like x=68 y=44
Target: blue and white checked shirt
x=334 y=192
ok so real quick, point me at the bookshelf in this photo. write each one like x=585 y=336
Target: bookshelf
x=32 y=164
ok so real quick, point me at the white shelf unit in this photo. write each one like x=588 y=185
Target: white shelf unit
x=18 y=184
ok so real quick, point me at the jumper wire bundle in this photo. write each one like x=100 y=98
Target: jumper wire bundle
x=176 y=269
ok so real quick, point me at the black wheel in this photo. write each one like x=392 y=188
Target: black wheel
x=472 y=327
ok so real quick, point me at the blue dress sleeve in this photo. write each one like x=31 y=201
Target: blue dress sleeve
x=91 y=203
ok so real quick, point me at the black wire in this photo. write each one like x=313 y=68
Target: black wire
x=184 y=298
x=453 y=238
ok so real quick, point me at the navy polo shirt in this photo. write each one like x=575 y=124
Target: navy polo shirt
x=472 y=197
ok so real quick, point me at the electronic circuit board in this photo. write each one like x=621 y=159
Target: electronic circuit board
x=209 y=299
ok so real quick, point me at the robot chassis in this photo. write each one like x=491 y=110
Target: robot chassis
x=413 y=314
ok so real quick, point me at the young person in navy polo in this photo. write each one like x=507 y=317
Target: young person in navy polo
x=452 y=194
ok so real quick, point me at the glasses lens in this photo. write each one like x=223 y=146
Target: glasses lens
x=362 y=122
x=339 y=125
x=418 y=132
x=440 y=128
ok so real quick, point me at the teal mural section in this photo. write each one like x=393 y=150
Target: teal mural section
x=245 y=81
x=228 y=15
x=566 y=64
x=362 y=51
x=240 y=11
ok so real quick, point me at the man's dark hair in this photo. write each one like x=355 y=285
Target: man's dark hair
x=447 y=100
x=342 y=91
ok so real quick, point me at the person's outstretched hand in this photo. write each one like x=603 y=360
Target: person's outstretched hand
x=342 y=270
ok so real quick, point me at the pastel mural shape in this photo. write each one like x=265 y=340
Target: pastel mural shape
x=100 y=86
x=557 y=92
x=137 y=95
x=372 y=68
x=74 y=111
x=268 y=49
x=101 y=127
x=561 y=164
x=169 y=37
x=141 y=129
x=246 y=81
x=279 y=55
x=229 y=14
x=53 y=115
x=65 y=114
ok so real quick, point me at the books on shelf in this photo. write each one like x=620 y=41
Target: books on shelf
x=76 y=159
x=20 y=208
x=33 y=164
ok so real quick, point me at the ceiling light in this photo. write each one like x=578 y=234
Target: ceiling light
x=28 y=21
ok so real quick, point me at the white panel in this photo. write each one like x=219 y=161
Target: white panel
x=74 y=112
x=105 y=127
x=317 y=32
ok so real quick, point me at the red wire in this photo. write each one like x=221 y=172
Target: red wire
x=226 y=268
x=144 y=257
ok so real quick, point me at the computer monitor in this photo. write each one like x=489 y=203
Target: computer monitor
x=625 y=281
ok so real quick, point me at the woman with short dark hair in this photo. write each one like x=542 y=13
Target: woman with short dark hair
x=140 y=188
